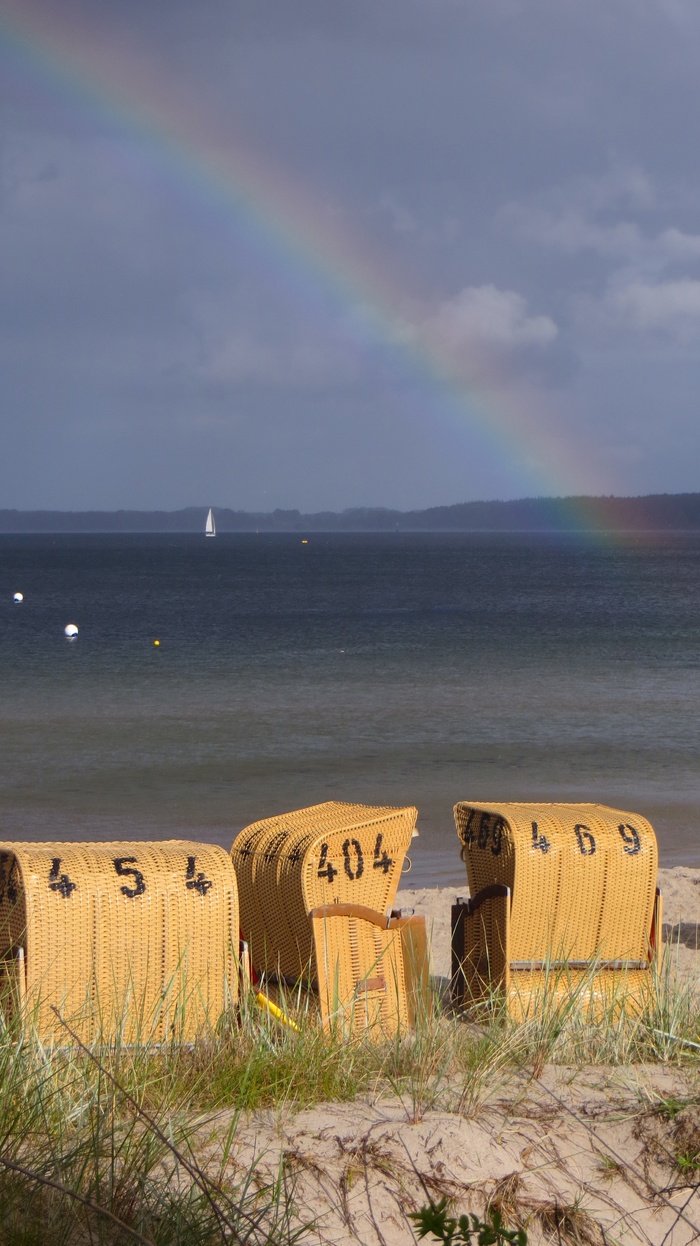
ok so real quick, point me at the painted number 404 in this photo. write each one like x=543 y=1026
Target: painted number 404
x=354 y=860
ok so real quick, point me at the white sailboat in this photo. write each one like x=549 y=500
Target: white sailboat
x=210 y=527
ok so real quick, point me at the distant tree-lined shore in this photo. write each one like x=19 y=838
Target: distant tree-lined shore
x=654 y=512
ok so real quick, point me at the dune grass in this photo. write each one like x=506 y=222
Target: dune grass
x=114 y=1144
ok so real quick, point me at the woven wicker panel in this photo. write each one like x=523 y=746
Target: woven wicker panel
x=415 y=953
x=245 y=862
x=598 y=990
x=361 y=980
x=482 y=968
x=606 y=992
x=283 y=946
x=632 y=861
x=269 y=847
x=331 y=853
x=293 y=942
x=13 y=909
x=582 y=877
x=247 y=853
x=134 y=937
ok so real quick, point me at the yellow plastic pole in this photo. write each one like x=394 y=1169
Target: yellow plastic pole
x=267 y=1006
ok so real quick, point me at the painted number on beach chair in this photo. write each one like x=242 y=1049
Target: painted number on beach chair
x=468 y=834
x=60 y=882
x=271 y=852
x=632 y=842
x=492 y=832
x=487 y=832
x=125 y=866
x=359 y=859
x=325 y=867
x=196 y=881
x=482 y=838
x=540 y=842
x=383 y=862
x=586 y=841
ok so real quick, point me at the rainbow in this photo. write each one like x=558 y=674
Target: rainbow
x=72 y=52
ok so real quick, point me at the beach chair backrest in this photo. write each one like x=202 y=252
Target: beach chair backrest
x=582 y=877
x=130 y=938
x=333 y=853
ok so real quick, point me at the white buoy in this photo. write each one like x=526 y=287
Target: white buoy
x=70 y=630
x=18 y=598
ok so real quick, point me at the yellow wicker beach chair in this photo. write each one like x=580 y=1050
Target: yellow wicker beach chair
x=332 y=853
x=563 y=901
x=136 y=939
x=372 y=971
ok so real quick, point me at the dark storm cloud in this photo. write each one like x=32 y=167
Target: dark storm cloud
x=529 y=169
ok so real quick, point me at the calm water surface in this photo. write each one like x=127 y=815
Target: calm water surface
x=410 y=669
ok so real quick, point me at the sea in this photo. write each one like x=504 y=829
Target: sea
x=393 y=669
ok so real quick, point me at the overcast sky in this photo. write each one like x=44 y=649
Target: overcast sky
x=327 y=253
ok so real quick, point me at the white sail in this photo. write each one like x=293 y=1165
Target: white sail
x=210 y=529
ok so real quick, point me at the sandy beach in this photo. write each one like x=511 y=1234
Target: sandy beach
x=583 y=1156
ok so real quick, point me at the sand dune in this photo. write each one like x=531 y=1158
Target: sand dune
x=585 y=1156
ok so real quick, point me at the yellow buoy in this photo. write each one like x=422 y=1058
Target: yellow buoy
x=156 y=642
x=304 y=541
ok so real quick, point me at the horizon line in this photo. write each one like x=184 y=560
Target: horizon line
x=347 y=510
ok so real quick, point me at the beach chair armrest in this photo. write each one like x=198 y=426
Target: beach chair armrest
x=360 y=911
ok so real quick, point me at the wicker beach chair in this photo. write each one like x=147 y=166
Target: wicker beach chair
x=563 y=901
x=372 y=971
x=135 y=939
x=333 y=853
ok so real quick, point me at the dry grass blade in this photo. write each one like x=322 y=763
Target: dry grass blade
x=572 y=1225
